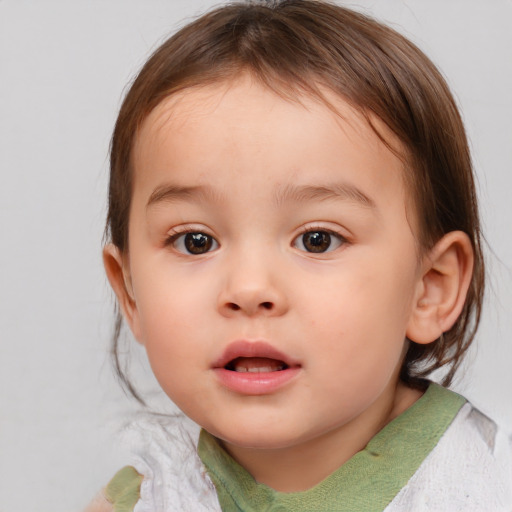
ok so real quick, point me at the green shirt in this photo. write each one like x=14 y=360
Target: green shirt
x=123 y=491
x=367 y=482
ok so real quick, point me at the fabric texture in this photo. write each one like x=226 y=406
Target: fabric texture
x=367 y=482
x=123 y=491
x=164 y=450
x=469 y=469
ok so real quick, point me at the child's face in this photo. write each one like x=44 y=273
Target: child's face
x=269 y=230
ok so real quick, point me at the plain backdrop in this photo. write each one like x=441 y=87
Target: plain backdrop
x=63 y=67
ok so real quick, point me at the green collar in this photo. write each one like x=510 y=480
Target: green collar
x=367 y=482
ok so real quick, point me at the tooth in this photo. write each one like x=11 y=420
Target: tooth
x=255 y=365
x=259 y=369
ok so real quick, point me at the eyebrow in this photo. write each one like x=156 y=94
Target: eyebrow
x=288 y=193
x=336 y=191
x=171 y=193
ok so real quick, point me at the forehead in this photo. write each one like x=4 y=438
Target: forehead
x=195 y=103
x=202 y=133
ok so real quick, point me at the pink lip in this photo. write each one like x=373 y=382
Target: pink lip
x=249 y=383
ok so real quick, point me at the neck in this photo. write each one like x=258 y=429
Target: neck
x=301 y=466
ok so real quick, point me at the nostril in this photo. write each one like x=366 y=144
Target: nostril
x=250 y=307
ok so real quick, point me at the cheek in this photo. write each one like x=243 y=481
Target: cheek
x=172 y=334
x=360 y=319
x=173 y=322
x=168 y=299
x=361 y=299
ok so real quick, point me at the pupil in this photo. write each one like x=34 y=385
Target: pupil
x=316 y=241
x=197 y=243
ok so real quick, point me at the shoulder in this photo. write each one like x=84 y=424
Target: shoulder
x=469 y=469
x=164 y=452
x=120 y=495
x=123 y=491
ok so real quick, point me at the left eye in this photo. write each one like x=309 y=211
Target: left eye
x=318 y=241
x=194 y=243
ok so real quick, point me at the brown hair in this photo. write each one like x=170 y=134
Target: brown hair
x=302 y=46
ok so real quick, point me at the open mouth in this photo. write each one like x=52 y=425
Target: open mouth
x=255 y=368
x=255 y=365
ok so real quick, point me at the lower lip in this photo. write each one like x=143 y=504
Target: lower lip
x=252 y=383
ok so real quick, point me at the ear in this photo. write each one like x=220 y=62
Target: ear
x=117 y=269
x=441 y=294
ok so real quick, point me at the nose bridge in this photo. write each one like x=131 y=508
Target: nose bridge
x=251 y=285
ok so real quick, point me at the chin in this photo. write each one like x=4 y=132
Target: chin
x=258 y=437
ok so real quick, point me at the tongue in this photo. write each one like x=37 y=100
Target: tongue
x=257 y=365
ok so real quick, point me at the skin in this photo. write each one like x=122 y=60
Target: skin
x=99 y=504
x=242 y=165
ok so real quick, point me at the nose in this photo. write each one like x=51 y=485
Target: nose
x=252 y=288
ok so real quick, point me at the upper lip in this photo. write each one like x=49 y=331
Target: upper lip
x=245 y=348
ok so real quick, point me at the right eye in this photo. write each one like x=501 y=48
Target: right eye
x=318 y=241
x=193 y=242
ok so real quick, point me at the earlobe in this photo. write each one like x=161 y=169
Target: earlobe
x=445 y=279
x=119 y=278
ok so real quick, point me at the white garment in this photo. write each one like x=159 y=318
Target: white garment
x=165 y=453
x=469 y=470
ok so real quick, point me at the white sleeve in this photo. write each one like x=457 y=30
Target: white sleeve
x=470 y=470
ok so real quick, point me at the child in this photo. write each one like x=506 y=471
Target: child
x=295 y=241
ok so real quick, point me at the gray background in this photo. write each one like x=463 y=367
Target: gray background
x=63 y=67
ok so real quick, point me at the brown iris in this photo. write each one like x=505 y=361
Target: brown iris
x=198 y=243
x=316 y=241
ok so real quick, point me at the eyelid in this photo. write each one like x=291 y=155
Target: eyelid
x=327 y=227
